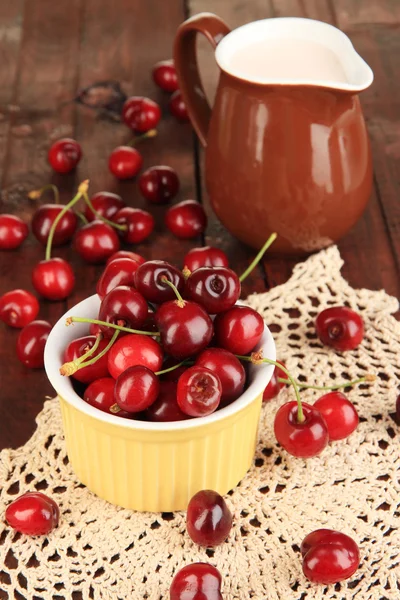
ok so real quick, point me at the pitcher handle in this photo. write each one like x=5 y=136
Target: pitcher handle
x=185 y=59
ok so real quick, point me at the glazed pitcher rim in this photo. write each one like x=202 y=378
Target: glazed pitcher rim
x=358 y=72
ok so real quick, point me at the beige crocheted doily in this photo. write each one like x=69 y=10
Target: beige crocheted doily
x=100 y=551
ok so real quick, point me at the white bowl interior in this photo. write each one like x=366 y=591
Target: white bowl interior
x=61 y=335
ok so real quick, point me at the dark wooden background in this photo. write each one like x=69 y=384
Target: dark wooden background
x=50 y=49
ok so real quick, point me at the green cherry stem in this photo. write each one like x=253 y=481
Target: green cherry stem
x=82 y=189
x=184 y=362
x=180 y=301
x=99 y=216
x=87 y=363
x=149 y=134
x=366 y=379
x=71 y=320
x=256 y=358
x=259 y=256
x=36 y=194
x=69 y=368
x=82 y=217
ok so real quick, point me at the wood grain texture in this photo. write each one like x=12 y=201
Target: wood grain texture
x=356 y=13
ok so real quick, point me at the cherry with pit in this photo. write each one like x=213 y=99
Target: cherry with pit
x=239 y=329
x=340 y=327
x=208 y=519
x=141 y=114
x=197 y=581
x=186 y=219
x=339 y=413
x=199 y=391
x=13 y=231
x=18 y=308
x=33 y=513
x=138 y=223
x=329 y=556
x=44 y=218
x=53 y=279
x=77 y=349
x=64 y=155
x=136 y=389
x=106 y=205
x=177 y=106
x=305 y=437
x=120 y=271
x=159 y=184
x=123 y=306
x=151 y=280
x=205 y=256
x=100 y=394
x=229 y=369
x=134 y=350
x=125 y=162
x=217 y=289
x=31 y=343
x=96 y=241
x=164 y=75
x=165 y=408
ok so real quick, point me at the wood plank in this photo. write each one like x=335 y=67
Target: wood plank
x=46 y=79
x=352 y=13
x=311 y=9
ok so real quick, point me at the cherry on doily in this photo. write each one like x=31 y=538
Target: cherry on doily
x=33 y=513
x=340 y=327
x=329 y=556
x=197 y=581
x=208 y=519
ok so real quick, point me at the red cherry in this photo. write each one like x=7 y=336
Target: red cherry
x=207 y=256
x=53 y=279
x=208 y=518
x=33 y=513
x=13 y=231
x=96 y=241
x=173 y=376
x=44 y=218
x=185 y=329
x=78 y=348
x=304 y=439
x=159 y=184
x=106 y=204
x=119 y=271
x=198 y=581
x=199 y=391
x=239 y=329
x=123 y=306
x=64 y=155
x=94 y=329
x=229 y=370
x=150 y=281
x=340 y=327
x=339 y=413
x=329 y=556
x=165 y=408
x=126 y=254
x=125 y=162
x=18 y=308
x=217 y=289
x=164 y=75
x=178 y=107
x=274 y=386
x=186 y=220
x=140 y=224
x=100 y=394
x=141 y=114
x=31 y=342
x=133 y=350
x=136 y=389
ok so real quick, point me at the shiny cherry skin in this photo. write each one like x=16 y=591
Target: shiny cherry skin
x=274 y=386
x=64 y=155
x=120 y=271
x=33 y=513
x=100 y=394
x=133 y=350
x=340 y=327
x=18 y=308
x=124 y=306
x=208 y=519
x=141 y=114
x=329 y=556
x=78 y=348
x=185 y=328
x=126 y=254
x=199 y=391
x=106 y=204
x=44 y=218
x=136 y=389
x=217 y=289
x=139 y=223
x=125 y=162
x=206 y=256
x=173 y=376
x=94 y=329
x=164 y=75
x=31 y=342
x=159 y=184
x=177 y=106
x=165 y=409
x=150 y=281
x=53 y=279
x=186 y=219
x=96 y=242
x=304 y=439
x=13 y=231
x=229 y=370
x=197 y=581
x=339 y=413
x=239 y=329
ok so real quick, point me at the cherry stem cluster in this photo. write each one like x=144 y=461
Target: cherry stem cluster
x=99 y=216
x=259 y=256
x=82 y=189
x=71 y=320
x=366 y=379
x=256 y=358
x=73 y=366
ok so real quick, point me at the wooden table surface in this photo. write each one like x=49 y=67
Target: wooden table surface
x=51 y=49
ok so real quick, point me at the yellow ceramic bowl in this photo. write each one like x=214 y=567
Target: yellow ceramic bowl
x=154 y=466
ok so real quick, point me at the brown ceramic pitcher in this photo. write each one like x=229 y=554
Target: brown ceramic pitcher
x=289 y=155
